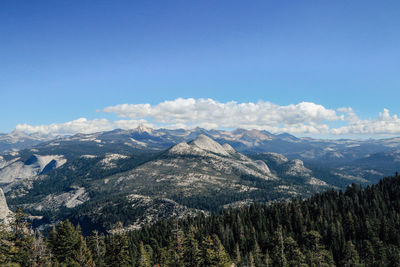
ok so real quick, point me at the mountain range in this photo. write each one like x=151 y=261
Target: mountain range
x=245 y=141
x=139 y=176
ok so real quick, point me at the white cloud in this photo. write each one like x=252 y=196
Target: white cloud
x=384 y=124
x=212 y=114
x=304 y=118
x=81 y=125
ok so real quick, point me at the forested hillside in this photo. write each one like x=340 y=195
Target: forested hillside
x=357 y=227
x=141 y=175
x=99 y=190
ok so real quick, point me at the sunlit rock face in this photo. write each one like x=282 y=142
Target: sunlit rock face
x=4 y=211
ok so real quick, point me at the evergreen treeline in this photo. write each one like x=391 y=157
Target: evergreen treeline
x=358 y=227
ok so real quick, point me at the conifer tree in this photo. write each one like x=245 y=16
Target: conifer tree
x=7 y=247
x=317 y=255
x=367 y=252
x=350 y=257
x=41 y=256
x=251 y=261
x=278 y=253
x=144 y=258
x=214 y=254
x=222 y=258
x=380 y=253
x=165 y=257
x=117 y=251
x=208 y=253
x=178 y=248
x=84 y=255
x=267 y=262
x=191 y=250
x=237 y=255
x=96 y=244
x=22 y=239
x=65 y=243
x=68 y=246
x=293 y=253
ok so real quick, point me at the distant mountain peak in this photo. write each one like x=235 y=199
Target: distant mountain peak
x=202 y=145
x=208 y=144
x=144 y=129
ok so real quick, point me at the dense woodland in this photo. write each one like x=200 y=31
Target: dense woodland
x=357 y=227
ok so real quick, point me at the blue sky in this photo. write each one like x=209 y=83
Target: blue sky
x=64 y=60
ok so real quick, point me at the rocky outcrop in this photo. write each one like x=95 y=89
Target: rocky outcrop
x=19 y=169
x=4 y=211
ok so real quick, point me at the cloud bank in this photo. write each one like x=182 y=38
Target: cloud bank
x=305 y=118
x=81 y=125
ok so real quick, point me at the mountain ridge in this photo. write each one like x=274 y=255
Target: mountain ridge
x=201 y=175
x=200 y=169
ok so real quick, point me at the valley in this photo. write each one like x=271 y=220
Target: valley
x=137 y=177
